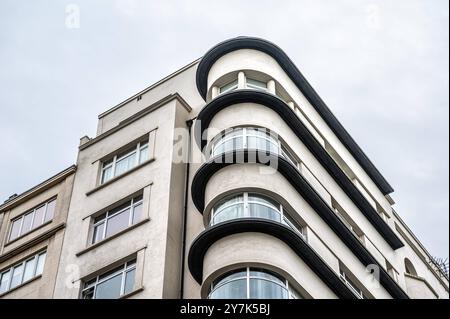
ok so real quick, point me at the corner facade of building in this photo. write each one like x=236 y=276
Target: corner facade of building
x=230 y=178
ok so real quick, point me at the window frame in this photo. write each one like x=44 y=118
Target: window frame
x=21 y=217
x=285 y=218
x=233 y=87
x=133 y=203
x=123 y=270
x=283 y=283
x=22 y=264
x=354 y=288
x=244 y=133
x=255 y=87
x=111 y=162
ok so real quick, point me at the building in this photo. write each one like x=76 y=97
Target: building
x=31 y=237
x=230 y=178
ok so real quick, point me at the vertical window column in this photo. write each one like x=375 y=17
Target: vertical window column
x=271 y=87
x=241 y=80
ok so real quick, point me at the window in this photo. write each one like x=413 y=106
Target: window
x=409 y=267
x=391 y=271
x=354 y=288
x=252 y=283
x=255 y=84
x=117 y=219
x=250 y=83
x=251 y=205
x=33 y=219
x=22 y=272
x=112 y=284
x=343 y=216
x=233 y=85
x=250 y=138
x=125 y=161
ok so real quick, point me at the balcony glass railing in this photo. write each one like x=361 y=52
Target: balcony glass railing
x=251 y=205
x=251 y=138
x=252 y=283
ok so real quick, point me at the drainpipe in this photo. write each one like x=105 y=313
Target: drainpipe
x=185 y=209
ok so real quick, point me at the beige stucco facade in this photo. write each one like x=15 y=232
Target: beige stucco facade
x=164 y=117
x=47 y=237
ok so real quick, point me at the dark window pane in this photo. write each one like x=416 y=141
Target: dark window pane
x=109 y=289
x=111 y=272
x=38 y=216
x=119 y=208
x=131 y=263
x=99 y=218
x=50 y=210
x=88 y=293
x=117 y=223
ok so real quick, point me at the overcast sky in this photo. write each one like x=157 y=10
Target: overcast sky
x=381 y=66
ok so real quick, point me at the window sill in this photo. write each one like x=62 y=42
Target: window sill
x=28 y=233
x=20 y=286
x=100 y=243
x=135 y=291
x=32 y=242
x=99 y=187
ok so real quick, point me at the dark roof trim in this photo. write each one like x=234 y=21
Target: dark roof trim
x=208 y=237
x=207 y=170
x=296 y=76
x=284 y=111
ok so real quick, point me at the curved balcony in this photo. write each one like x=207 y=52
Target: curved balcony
x=290 y=118
x=292 y=72
x=252 y=205
x=251 y=138
x=252 y=283
x=277 y=254
x=301 y=185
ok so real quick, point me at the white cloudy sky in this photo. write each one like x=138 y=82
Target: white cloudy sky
x=380 y=65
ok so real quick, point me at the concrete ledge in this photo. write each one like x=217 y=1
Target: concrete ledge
x=100 y=243
x=44 y=236
x=99 y=187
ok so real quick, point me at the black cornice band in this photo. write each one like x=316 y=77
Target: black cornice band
x=294 y=177
x=296 y=76
x=211 y=235
x=288 y=115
